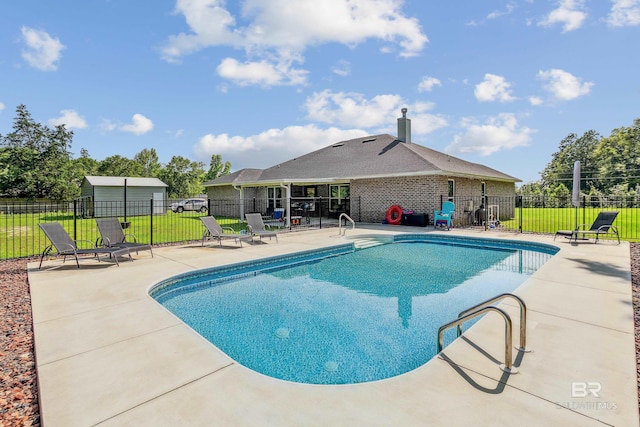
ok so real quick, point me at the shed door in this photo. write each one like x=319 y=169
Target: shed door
x=158 y=203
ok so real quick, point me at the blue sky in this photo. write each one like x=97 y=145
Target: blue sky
x=262 y=81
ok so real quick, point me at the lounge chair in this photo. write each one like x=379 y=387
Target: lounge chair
x=65 y=246
x=444 y=216
x=603 y=224
x=112 y=235
x=216 y=231
x=257 y=227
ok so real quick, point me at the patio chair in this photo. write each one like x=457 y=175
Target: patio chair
x=444 y=216
x=65 y=246
x=603 y=224
x=258 y=228
x=216 y=231
x=112 y=235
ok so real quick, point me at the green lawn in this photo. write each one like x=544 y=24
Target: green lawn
x=20 y=235
x=549 y=220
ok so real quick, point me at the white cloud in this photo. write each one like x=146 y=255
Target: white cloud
x=493 y=88
x=376 y=114
x=261 y=73
x=1 y=106
x=278 y=30
x=498 y=133
x=107 y=125
x=139 y=125
x=42 y=51
x=272 y=146
x=70 y=118
x=427 y=84
x=535 y=100
x=570 y=13
x=498 y=13
x=624 y=13
x=562 y=85
x=343 y=68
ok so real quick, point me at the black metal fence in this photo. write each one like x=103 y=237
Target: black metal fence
x=543 y=214
x=155 y=222
x=148 y=221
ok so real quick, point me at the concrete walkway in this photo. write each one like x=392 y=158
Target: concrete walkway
x=108 y=354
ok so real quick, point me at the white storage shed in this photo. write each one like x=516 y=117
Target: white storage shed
x=104 y=196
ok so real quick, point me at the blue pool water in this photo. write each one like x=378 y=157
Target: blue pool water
x=339 y=316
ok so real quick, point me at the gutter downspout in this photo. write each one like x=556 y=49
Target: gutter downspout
x=288 y=204
x=241 y=190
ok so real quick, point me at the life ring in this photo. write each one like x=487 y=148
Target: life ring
x=394 y=215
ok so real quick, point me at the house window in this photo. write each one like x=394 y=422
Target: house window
x=452 y=190
x=274 y=196
x=338 y=197
x=483 y=190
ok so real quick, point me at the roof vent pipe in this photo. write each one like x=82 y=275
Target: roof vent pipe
x=404 y=127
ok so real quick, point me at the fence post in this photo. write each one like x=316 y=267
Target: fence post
x=151 y=224
x=75 y=215
x=520 y=200
x=320 y=211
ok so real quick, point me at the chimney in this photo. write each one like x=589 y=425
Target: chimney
x=404 y=127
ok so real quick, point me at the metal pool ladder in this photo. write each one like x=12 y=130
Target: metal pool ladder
x=485 y=307
x=342 y=232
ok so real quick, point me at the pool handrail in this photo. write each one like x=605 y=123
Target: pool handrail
x=508 y=364
x=523 y=316
x=348 y=218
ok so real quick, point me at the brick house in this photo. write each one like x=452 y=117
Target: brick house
x=363 y=177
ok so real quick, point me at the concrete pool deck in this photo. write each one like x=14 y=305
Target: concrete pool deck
x=107 y=354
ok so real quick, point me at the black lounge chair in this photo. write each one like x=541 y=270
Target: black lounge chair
x=112 y=235
x=65 y=246
x=257 y=226
x=216 y=231
x=603 y=224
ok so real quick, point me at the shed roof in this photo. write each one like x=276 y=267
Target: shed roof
x=118 y=181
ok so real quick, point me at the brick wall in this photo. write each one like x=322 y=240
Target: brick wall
x=423 y=194
x=419 y=193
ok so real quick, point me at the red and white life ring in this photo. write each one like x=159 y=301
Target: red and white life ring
x=394 y=215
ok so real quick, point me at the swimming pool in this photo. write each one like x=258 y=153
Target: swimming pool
x=340 y=315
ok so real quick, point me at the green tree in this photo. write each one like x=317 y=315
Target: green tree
x=149 y=163
x=35 y=160
x=217 y=168
x=562 y=195
x=183 y=177
x=83 y=166
x=572 y=148
x=118 y=165
x=618 y=157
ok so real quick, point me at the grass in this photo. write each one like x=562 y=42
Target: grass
x=20 y=235
x=550 y=220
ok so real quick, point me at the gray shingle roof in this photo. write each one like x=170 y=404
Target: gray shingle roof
x=238 y=177
x=369 y=157
x=118 y=181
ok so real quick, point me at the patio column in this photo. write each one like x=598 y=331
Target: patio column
x=241 y=190
x=287 y=206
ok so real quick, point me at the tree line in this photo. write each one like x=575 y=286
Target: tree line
x=36 y=163
x=610 y=166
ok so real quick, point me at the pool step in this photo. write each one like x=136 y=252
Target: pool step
x=368 y=242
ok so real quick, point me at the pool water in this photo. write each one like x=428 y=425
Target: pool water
x=362 y=316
